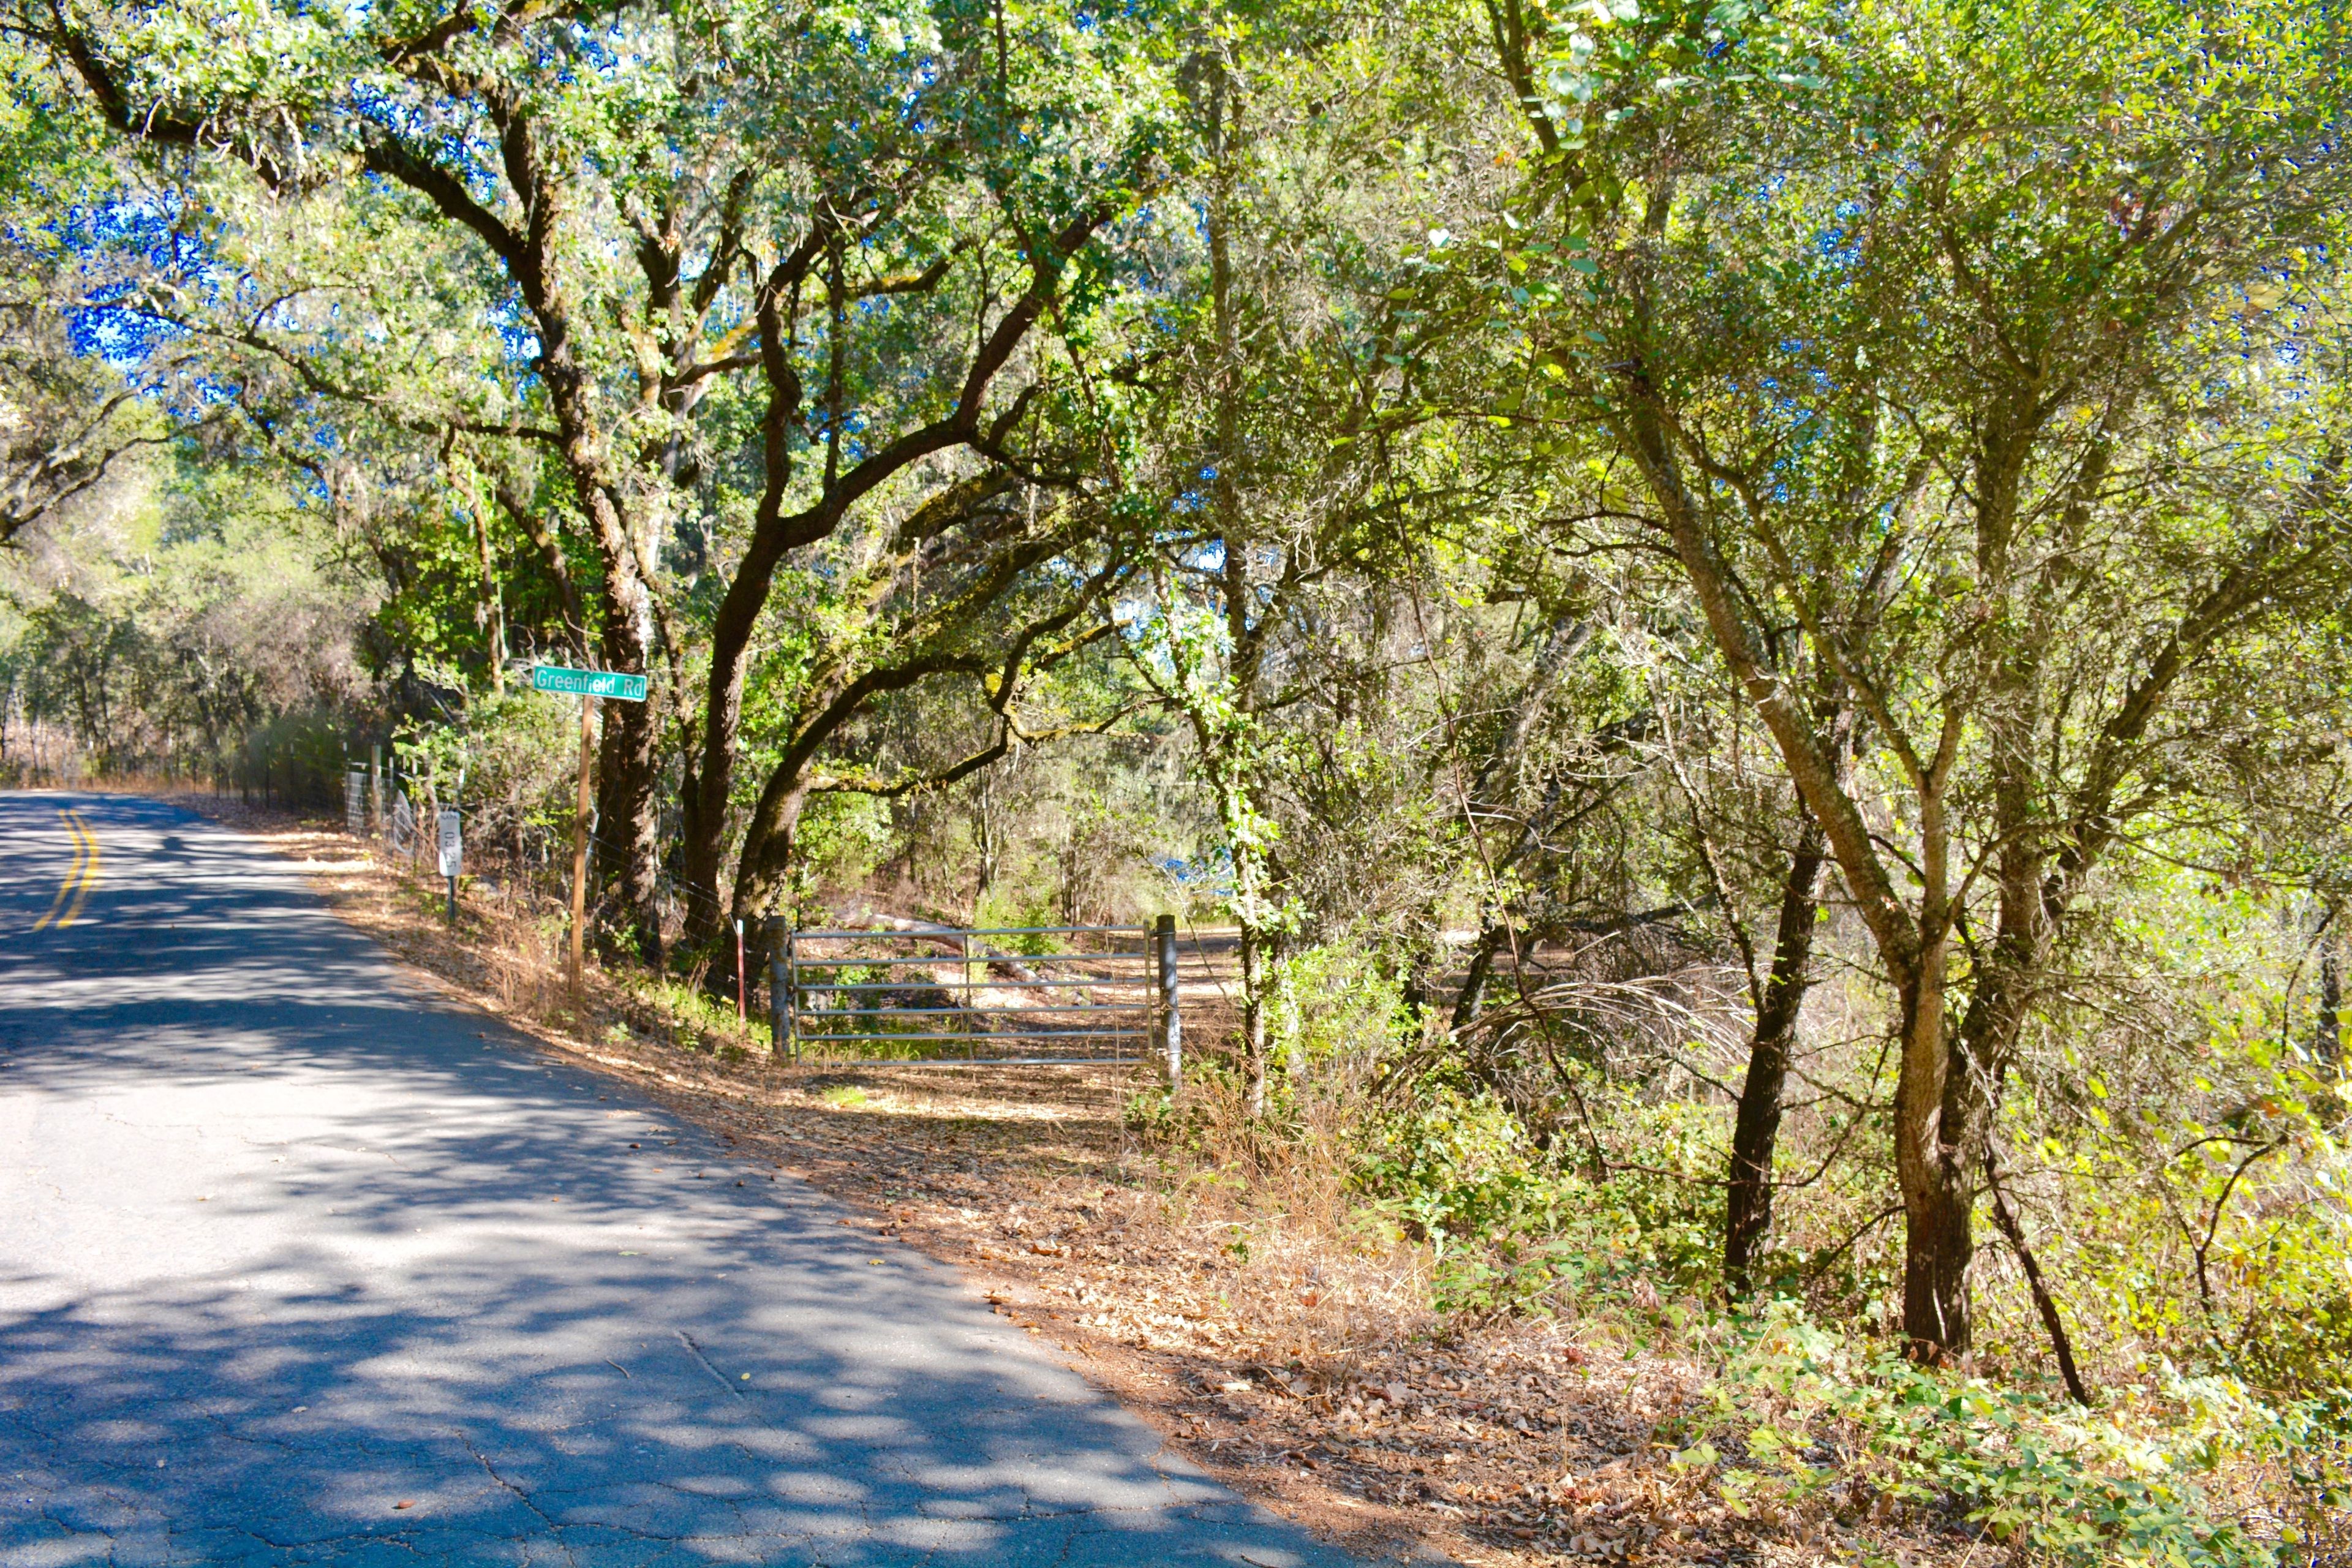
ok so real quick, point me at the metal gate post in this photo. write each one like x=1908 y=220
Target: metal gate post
x=971 y=1046
x=1172 y=1022
x=783 y=1036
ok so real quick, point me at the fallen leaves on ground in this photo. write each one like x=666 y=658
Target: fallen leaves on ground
x=1290 y=1356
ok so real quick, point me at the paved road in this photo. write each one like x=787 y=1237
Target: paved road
x=301 y=1264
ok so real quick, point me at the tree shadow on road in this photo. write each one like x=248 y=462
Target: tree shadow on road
x=307 y=1265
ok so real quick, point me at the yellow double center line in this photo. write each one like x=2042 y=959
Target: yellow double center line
x=75 y=892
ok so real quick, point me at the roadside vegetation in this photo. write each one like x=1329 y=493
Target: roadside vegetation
x=1723 y=624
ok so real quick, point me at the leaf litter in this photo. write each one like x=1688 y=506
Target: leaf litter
x=1287 y=1353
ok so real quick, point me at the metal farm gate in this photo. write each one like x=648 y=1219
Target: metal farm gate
x=943 y=996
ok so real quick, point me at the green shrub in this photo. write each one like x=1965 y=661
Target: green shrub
x=1512 y=1224
x=1818 y=1419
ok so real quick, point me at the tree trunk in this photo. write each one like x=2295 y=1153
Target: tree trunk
x=1253 y=1016
x=494 y=614
x=1943 y=1110
x=628 y=765
x=1977 y=1053
x=2326 y=1036
x=774 y=532
x=1939 y=1194
x=705 y=800
x=1225 y=750
x=769 y=847
x=1747 y=1215
x=1939 y=1243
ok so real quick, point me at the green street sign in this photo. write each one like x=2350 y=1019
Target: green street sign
x=588 y=682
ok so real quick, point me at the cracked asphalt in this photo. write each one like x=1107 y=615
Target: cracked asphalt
x=302 y=1263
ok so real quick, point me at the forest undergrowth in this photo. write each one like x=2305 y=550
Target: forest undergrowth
x=1738 y=614
x=1258 y=1300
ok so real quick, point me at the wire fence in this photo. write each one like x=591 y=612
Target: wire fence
x=1067 y=995
x=522 y=847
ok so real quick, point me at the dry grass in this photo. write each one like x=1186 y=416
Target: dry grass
x=1236 y=1299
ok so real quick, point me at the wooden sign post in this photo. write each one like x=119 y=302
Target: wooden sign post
x=588 y=685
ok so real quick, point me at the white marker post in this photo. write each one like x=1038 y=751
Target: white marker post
x=451 y=841
x=587 y=685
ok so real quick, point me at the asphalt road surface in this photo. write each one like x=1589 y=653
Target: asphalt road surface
x=301 y=1263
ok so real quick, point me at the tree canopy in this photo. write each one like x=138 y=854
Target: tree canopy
x=1758 y=587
